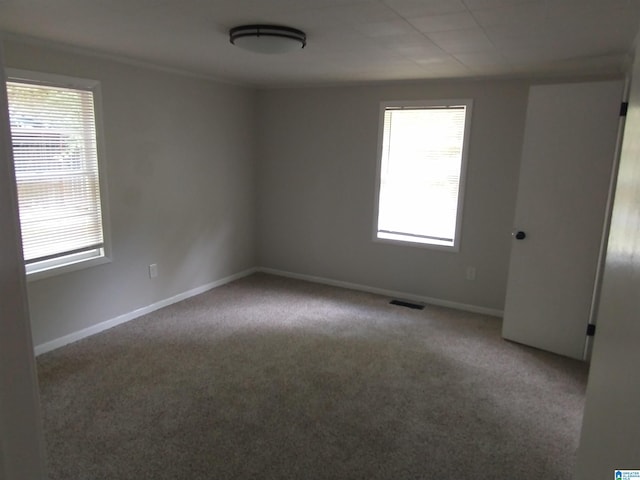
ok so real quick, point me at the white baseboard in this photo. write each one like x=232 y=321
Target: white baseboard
x=102 y=326
x=381 y=291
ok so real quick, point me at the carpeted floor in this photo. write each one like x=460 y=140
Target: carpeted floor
x=272 y=378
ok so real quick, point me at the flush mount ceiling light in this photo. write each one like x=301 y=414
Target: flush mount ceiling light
x=267 y=38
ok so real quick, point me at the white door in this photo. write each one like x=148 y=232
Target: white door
x=569 y=147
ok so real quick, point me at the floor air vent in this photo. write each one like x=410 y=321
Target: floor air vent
x=402 y=303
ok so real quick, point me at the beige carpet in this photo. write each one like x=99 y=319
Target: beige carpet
x=272 y=378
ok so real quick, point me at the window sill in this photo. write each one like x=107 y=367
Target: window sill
x=442 y=247
x=72 y=266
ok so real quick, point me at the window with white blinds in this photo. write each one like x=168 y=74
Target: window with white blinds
x=55 y=152
x=422 y=161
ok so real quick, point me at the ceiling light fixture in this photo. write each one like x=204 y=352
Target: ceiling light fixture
x=267 y=38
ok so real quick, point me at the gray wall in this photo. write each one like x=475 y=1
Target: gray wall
x=180 y=162
x=610 y=432
x=317 y=166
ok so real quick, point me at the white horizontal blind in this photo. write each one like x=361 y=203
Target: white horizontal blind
x=56 y=162
x=420 y=173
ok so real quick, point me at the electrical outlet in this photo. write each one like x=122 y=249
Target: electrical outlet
x=153 y=270
x=471 y=273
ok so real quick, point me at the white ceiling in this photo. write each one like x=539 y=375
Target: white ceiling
x=348 y=40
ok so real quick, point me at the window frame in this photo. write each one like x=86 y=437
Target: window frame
x=71 y=262
x=424 y=104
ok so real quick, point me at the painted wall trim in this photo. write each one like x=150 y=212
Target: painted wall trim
x=113 y=57
x=107 y=324
x=381 y=291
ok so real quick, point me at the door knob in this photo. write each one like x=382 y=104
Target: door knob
x=520 y=235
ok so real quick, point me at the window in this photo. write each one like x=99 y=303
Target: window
x=56 y=143
x=422 y=160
